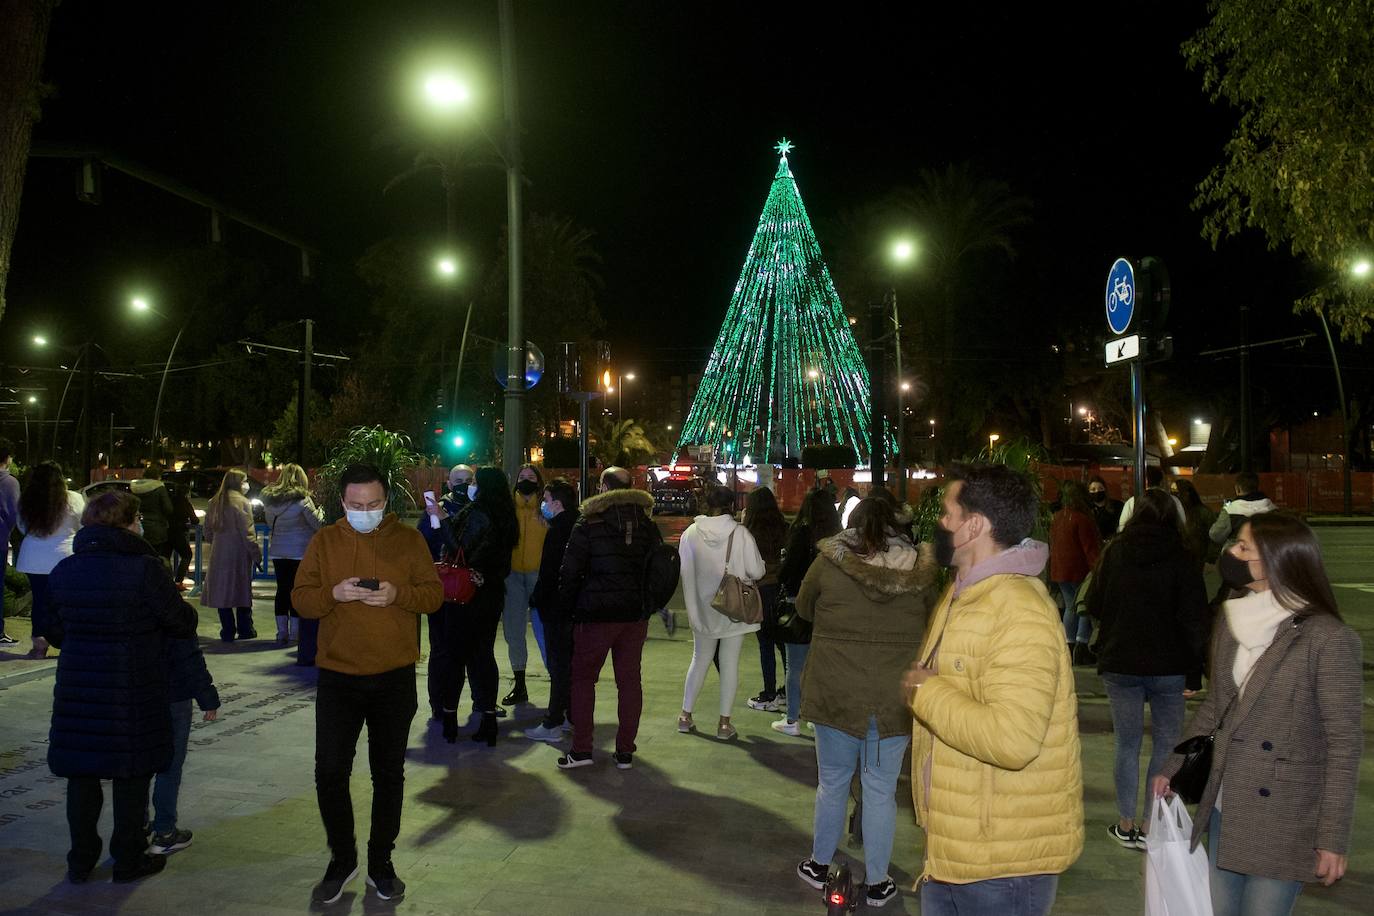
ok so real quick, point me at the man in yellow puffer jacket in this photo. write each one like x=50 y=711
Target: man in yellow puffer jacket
x=996 y=770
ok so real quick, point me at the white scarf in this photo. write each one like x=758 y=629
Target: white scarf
x=1253 y=621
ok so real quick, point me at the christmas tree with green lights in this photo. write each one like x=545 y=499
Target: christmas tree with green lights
x=785 y=371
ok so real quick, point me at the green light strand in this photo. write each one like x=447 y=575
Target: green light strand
x=785 y=371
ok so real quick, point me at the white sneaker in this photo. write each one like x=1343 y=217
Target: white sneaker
x=540 y=733
x=787 y=728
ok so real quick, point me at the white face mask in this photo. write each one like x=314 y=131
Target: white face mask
x=364 y=521
x=243 y=487
x=472 y=491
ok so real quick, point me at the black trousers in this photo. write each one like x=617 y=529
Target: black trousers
x=439 y=661
x=85 y=798
x=558 y=647
x=470 y=632
x=286 y=580
x=344 y=703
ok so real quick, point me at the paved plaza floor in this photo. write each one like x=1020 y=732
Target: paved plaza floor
x=697 y=826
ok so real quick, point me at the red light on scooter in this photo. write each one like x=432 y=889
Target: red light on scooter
x=837 y=899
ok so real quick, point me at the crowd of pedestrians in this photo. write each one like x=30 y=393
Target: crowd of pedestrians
x=959 y=651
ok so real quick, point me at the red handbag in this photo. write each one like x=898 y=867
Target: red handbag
x=460 y=580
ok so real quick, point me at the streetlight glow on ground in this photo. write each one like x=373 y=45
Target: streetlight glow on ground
x=444 y=90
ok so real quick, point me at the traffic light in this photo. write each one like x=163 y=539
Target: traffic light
x=451 y=442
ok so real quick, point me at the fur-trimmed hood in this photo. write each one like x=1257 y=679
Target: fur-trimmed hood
x=900 y=569
x=282 y=497
x=144 y=485
x=613 y=498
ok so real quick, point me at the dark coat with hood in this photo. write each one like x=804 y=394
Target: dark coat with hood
x=869 y=617
x=602 y=576
x=114 y=607
x=155 y=504
x=1149 y=596
x=545 y=596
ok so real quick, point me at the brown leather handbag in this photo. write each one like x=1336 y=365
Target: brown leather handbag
x=736 y=598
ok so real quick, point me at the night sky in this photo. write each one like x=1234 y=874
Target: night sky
x=651 y=124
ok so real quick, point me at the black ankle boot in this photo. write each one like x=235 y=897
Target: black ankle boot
x=226 y=624
x=450 y=719
x=487 y=730
x=517 y=694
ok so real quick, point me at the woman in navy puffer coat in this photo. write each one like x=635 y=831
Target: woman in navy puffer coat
x=114 y=607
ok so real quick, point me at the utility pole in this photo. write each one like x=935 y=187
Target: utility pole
x=878 y=388
x=513 y=449
x=303 y=397
x=87 y=381
x=901 y=405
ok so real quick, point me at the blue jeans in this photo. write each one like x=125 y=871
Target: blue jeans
x=1028 y=895
x=516 y=616
x=1128 y=694
x=837 y=754
x=1077 y=628
x=167 y=785
x=1234 y=894
x=796 y=664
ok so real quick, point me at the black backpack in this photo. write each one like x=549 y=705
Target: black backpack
x=662 y=568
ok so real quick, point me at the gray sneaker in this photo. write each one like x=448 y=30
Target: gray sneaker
x=540 y=733
x=171 y=841
x=336 y=877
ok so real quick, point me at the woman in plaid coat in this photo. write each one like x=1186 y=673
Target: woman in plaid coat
x=1284 y=703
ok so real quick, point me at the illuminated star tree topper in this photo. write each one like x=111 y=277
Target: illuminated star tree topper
x=785 y=371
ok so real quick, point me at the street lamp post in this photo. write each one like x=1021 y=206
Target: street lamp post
x=140 y=304
x=902 y=253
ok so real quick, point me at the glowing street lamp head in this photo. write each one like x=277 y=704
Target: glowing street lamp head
x=458 y=441
x=903 y=250
x=906 y=386
x=994 y=437
x=606 y=380
x=812 y=374
x=39 y=340
x=33 y=399
x=1082 y=411
x=629 y=377
x=446 y=91
x=446 y=266
x=1361 y=268
x=139 y=304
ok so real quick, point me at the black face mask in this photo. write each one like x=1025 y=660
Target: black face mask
x=525 y=487
x=1098 y=497
x=944 y=546
x=1234 y=571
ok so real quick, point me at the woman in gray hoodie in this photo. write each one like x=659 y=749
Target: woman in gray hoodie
x=294 y=518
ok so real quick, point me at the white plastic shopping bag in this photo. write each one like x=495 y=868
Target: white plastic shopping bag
x=1176 y=880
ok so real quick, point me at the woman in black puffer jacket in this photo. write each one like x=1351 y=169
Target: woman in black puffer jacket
x=486 y=530
x=114 y=607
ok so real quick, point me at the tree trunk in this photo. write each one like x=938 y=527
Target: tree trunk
x=1165 y=449
x=23 y=38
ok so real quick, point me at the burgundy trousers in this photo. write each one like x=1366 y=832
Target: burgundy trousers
x=625 y=643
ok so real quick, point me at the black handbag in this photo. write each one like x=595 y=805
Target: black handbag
x=1191 y=779
x=790 y=626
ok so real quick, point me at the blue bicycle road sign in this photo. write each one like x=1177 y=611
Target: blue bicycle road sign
x=1120 y=296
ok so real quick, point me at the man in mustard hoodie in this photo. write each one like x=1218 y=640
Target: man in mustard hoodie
x=996 y=770
x=365 y=578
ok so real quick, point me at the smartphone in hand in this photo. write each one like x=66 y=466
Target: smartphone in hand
x=429 y=501
x=372 y=584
